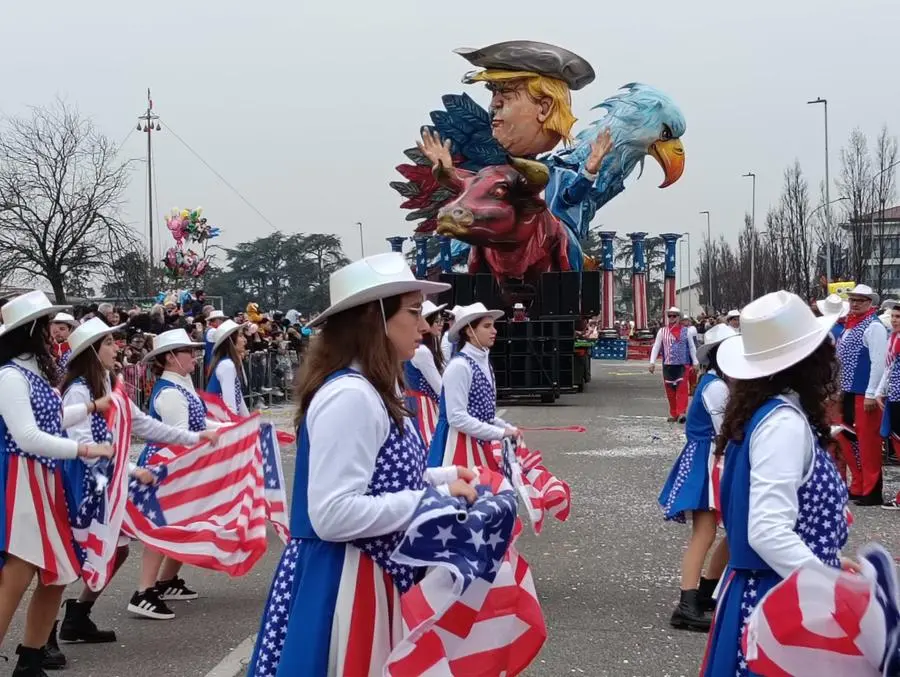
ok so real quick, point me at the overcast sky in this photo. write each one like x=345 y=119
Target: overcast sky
x=305 y=107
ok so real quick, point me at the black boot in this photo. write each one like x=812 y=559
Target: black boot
x=77 y=625
x=688 y=615
x=705 y=593
x=53 y=659
x=874 y=497
x=29 y=663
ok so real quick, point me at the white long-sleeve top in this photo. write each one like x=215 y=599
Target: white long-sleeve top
x=15 y=409
x=875 y=338
x=172 y=406
x=142 y=425
x=446 y=347
x=715 y=399
x=689 y=339
x=457 y=383
x=227 y=375
x=781 y=460
x=348 y=424
x=423 y=360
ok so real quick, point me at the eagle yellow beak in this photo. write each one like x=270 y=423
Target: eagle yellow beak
x=670 y=156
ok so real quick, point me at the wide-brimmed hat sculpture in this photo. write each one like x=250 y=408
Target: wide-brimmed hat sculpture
x=88 y=333
x=26 y=308
x=778 y=330
x=466 y=315
x=174 y=339
x=372 y=278
x=713 y=337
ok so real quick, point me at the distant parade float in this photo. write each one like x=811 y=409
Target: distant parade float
x=510 y=193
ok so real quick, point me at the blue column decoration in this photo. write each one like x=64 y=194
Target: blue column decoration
x=607 y=241
x=671 y=242
x=639 y=258
x=422 y=256
x=397 y=243
x=446 y=255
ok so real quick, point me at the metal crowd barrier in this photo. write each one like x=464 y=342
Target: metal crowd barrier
x=268 y=379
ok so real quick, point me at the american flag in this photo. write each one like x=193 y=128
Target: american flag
x=476 y=611
x=822 y=621
x=541 y=491
x=208 y=506
x=97 y=517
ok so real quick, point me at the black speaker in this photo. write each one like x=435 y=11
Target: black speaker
x=570 y=293
x=590 y=292
x=464 y=289
x=446 y=296
x=549 y=294
x=486 y=290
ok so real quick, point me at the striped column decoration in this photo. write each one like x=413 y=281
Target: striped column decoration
x=639 y=281
x=396 y=243
x=446 y=255
x=608 y=307
x=671 y=242
x=422 y=256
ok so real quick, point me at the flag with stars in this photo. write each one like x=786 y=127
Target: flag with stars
x=823 y=621
x=541 y=491
x=208 y=506
x=97 y=496
x=476 y=610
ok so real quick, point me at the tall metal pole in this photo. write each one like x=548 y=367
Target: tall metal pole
x=752 y=237
x=149 y=118
x=362 y=247
x=709 y=274
x=828 y=233
x=687 y=242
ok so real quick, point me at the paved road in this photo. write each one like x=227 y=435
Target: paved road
x=607 y=578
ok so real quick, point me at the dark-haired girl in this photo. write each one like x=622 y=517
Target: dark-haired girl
x=225 y=368
x=35 y=536
x=423 y=374
x=689 y=490
x=783 y=502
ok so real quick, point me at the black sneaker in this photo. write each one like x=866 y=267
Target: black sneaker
x=149 y=605
x=175 y=590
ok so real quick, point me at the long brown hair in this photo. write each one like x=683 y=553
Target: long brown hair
x=31 y=339
x=87 y=365
x=434 y=343
x=227 y=349
x=356 y=334
x=814 y=379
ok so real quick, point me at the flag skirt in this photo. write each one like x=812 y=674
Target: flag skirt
x=449 y=446
x=741 y=593
x=331 y=612
x=34 y=519
x=426 y=415
x=688 y=485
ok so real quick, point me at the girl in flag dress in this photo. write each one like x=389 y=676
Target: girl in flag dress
x=467 y=419
x=90 y=377
x=35 y=536
x=688 y=489
x=226 y=365
x=783 y=502
x=333 y=607
x=175 y=402
x=423 y=374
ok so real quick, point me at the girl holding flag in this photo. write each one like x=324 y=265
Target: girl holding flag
x=334 y=604
x=467 y=420
x=423 y=373
x=226 y=365
x=783 y=502
x=888 y=393
x=90 y=377
x=35 y=538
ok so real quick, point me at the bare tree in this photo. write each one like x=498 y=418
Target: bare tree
x=796 y=232
x=884 y=188
x=61 y=188
x=855 y=184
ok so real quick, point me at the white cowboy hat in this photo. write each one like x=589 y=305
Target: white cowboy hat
x=673 y=310
x=778 y=330
x=455 y=310
x=174 y=339
x=518 y=306
x=428 y=308
x=88 y=333
x=26 y=308
x=466 y=315
x=864 y=290
x=733 y=313
x=885 y=318
x=64 y=318
x=216 y=315
x=372 y=278
x=833 y=304
x=223 y=331
x=890 y=304
x=713 y=337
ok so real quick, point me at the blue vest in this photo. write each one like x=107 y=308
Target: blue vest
x=416 y=381
x=213 y=386
x=856 y=364
x=699 y=422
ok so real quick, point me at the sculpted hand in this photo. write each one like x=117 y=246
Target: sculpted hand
x=601 y=146
x=433 y=149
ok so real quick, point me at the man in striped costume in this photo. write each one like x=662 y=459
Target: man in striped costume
x=678 y=352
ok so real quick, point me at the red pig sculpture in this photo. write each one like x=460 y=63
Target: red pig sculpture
x=499 y=212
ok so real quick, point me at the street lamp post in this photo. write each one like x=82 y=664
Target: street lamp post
x=687 y=286
x=828 y=233
x=709 y=260
x=752 y=235
x=362 y=247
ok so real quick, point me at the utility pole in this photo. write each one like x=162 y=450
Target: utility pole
x=752 y=237
x=709 y=263
x=827 y=199
x=149 y=123
x=362 y=247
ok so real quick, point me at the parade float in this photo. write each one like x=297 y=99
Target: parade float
x=506 y=197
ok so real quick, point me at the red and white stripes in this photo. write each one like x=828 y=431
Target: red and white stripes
x=608 y=308
x=639 y=293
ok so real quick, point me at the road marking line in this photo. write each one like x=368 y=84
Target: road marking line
x=235 y=662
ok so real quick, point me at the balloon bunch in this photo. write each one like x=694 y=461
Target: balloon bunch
x=188 y=227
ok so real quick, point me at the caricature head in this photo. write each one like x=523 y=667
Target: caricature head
x=530 y=113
